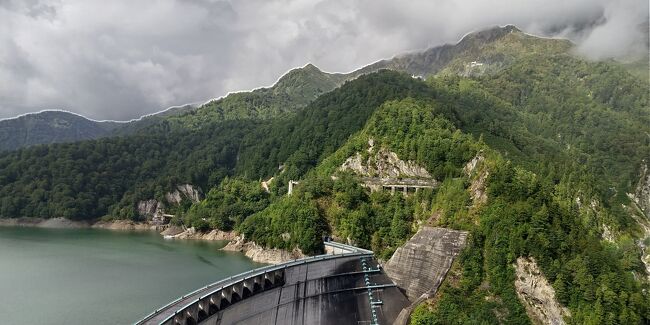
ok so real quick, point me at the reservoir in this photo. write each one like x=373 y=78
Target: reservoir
x=88 y=276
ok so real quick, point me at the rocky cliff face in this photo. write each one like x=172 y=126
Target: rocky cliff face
x=420 y=266
x=536 y=294
x=266 y=184
x=185 y=191
x=150 y=208
x=641 y=199
x=478 y=174
x=644 y=243
x=641 y=195
x=645 y=249
x=383 y=164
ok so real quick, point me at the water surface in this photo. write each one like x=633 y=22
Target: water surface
x=87 y=276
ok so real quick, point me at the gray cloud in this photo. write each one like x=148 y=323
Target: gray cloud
x=124 y=58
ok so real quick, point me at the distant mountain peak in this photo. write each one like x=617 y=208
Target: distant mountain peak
x=490 y=34
x=496 y=45
x=309 y=70
x=310 y=67
x=49 y=126
x=307 y=82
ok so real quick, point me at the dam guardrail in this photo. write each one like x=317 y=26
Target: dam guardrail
x=210 y=289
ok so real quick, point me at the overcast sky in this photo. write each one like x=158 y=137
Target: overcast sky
x=120 y=59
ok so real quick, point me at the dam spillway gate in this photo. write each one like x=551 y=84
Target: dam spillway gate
x=345 y=287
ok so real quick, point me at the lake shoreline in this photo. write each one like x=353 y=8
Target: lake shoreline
x=236 y=243
x=43 y=223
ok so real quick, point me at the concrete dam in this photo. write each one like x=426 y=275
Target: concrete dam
x=345 y=286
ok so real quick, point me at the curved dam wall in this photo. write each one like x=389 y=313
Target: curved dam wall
x=346 y=287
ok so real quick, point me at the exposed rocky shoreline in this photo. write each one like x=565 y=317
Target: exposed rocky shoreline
x=236 y=243
x=125 y=225
x=176 y=232
x=44 y=223
x=260 y=254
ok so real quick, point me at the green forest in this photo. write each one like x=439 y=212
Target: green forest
x=92 y=179
x=552 y=130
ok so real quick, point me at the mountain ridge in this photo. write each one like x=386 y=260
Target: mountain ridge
x=298 y=86
x=50 y=127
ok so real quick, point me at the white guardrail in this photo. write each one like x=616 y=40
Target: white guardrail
x=223 y=283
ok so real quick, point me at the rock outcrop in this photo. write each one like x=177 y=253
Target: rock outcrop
x=260 y=254
x=154 y=209
x=266 y=184
x=641 y=199
x=420 y=266
x=150 y=209
x=124 y=225
x=644 y=244
x=641 y=195
x=176 y=232
x=536 y=294
x=384 y=169
x=478 y=175
x=173 y=231
x=185 y=191
x=383 y=164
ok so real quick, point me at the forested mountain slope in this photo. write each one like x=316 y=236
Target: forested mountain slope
x=523 y=214
x=557 y=143
x=49 y=127
x=87 y=180
x=292 y=91
x=556 y=146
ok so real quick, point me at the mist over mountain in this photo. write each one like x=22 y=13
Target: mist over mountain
x=293 y=90
x=55 y=56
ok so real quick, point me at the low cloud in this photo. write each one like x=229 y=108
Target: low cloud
x=121 y=59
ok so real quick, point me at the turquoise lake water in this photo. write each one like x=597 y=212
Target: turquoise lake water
x=87 y=276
